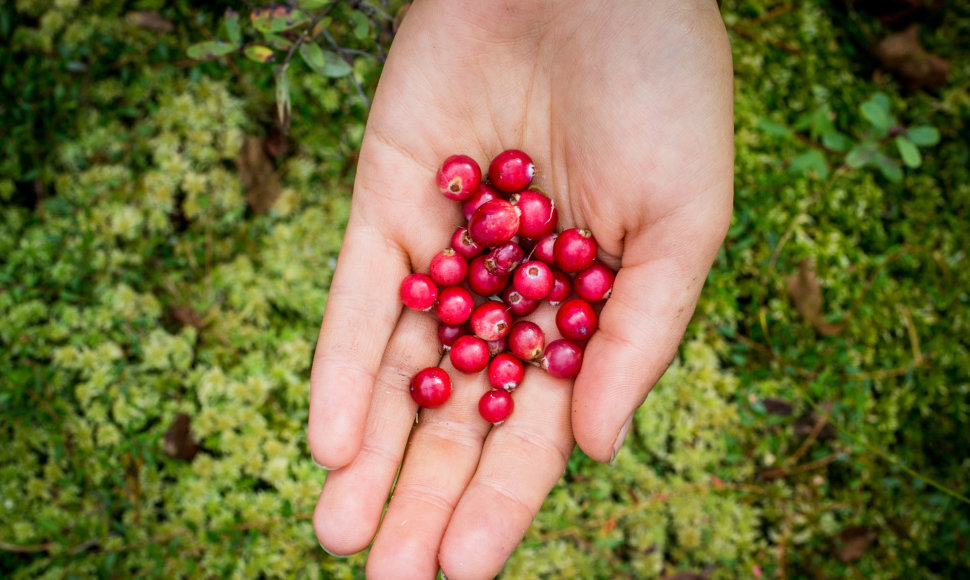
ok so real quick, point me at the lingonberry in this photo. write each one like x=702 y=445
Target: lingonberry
x=483 y=282
x=418 y=291
x=483 y=194
x=562 y=287
x=526 y=340
x=458 y=177
x=594 y=283
x=431 y=387
x=494 y=223
x=464 y=245
x=511 y=171
x=518 y=305
x=469 y=354
x=562 y=359
x=454 y=305
x=505 y=371
x=491 y=321
x=543 y=249
x=496 y=406
x=505 y=258
x=538 y=215
x=448 y=268
x=576 y=319
x=497 y=346
x=533 y=280
x=449 y=333
x=575 y=250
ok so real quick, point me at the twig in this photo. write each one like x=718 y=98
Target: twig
x=341 y=50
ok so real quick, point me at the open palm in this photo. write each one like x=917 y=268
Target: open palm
x=626 y=109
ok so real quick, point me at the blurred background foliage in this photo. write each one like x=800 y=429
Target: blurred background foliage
x=166 y=247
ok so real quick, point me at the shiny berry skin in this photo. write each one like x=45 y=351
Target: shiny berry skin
x=505 y=258
x=483 y=282
x=469 y=354
x=449 y=333
x=497 y=346
x=526 y=340
x=538 y=215
x=496 y=406
x=505 y=371
x=562 y=287
x=431 y=387
x=511 y=171
x=594 y=283
x=448 y=268
x=458 y=177
x=418 y=291
x=494 y=223
x=576 y=319
x=562 y=359
x=463 y=245
x=454 y=305
x=575 y=250
x=491 y=321
x=484 y=193
x=518 y=305
x=543 y=249
x=533 y=280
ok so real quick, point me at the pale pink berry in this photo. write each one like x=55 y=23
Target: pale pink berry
x=543 y=249
x=497 y=346
x=505 y=372
x=464 y=245
x=576 y=319
x=518 y=305
x=594 y=283
x=458 y=177
x=448 y=268
x=562 y=359
x=505 y=258
x=538 y=215
x=454 y=305
x=511 y=171
x=483 y=282
x=418 y=291
x=494 y=223
x=533 y=280
x=469 y=354
x=562 y=287
x=575 y=250
x=491 y=321
x=431 y=387
x=449 y=333
x=496 y=406
x=483 y=194
x=526 y=340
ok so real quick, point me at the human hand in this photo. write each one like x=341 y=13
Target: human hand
x=626 y=108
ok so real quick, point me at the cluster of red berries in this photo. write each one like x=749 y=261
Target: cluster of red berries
x=510 y=254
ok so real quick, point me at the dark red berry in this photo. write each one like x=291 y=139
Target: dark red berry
x=562 y=287
x=518 y=305
x=511 y=171
x=494 y=223
x=575 y=250
x=431 y=387
x=418 y=291
x=458 y=177
x=538 y=215
x=483 y=194
x=483 y=282
x=505 y=258
x=449 y=333
x=454 y=305
x=505 y=372
x=576 y=319
x=526 y=340
x=562 y=359
x=543 y=249
x=464 y=245
x=497 y=346
x=469 y=354
x=496 y=406
x=491 y=321
x=533 y=280
x=594 y=283
x=448 y=268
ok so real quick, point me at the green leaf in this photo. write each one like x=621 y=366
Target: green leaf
x=876 y=111
x=861 y=154
x=923 y=135
x=233 y=30
x=811 y=161
x=259 y=53
x=278 y=18
x=888 y=168
x=283 y=99
x=361 y=24
x=313 y=4
x=836 y=141
x=908 y=151
x=769 y=127
x=286 y=510
x=278 y=42
x=327 y=63
x=209 y=50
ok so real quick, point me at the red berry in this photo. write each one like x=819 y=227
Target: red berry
x=511 y=170
x=562 y=287
x=458 y=177
x=494 y=223
x=497 y=346
x=431 y=387
x=449 y=333
x=518 y=305
x=543 y=250
x=464 y=245
x=505 y=372
x=496 y=406
x=418 y=291
x=562 y=359
x=483 y=282
x=526 y=340
x=538 y=215
x=491 y=321
x=469 y=354
x=533 y=280
x=454 y=305
x=594 y=283
x=448 y=268
x=484 y=193
x=575 y=250
x=576 y=319
x=505 y=258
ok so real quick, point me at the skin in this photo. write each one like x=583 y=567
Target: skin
x=626 y=108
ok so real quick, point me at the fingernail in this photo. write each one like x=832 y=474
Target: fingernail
x=323 y=467
x=332 y=554
x=620 y=438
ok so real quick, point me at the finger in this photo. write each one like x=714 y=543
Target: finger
x=640 y=326
x=522 y=460
x=440 y=461
x=349 y=509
